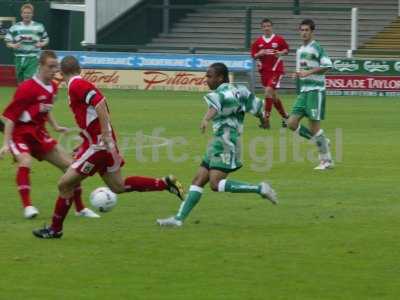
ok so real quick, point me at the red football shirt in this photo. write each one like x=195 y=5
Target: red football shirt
x=83 y=98
x=270 y=62
x=24 y=109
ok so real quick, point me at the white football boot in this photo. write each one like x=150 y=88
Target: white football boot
x=87 y=213
x=169 y=222
x=325 y=165
x=268 y=193
x=30 y=212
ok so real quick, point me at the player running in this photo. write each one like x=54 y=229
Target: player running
x=98 y=152
x=25 y=135
x=311 y=65
x=227 y=105
x=267 y=51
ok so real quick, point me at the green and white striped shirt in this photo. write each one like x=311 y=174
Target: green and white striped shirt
x=27 y=36
x=312 y=56
x=232 y=102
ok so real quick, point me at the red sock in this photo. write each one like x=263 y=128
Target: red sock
x=60 y=212
x=144 y=184
x=78 y=199
x=268 y=107
x=279 y=107
x=24 y=185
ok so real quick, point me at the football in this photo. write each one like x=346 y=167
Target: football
x=103 y=199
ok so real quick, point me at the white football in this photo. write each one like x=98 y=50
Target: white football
x=103 y=199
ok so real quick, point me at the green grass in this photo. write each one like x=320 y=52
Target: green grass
x=335 y=235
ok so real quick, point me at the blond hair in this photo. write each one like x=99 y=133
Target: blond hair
x=27 y=6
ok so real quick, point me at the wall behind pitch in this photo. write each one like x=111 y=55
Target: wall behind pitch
x=12 y=9
x=65 y=28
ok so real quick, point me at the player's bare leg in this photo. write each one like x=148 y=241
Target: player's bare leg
x=323 y=144
x=66 y=187
x=62 y=160
x=118 y=184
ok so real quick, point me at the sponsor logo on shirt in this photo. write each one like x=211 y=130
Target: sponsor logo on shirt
x=274 y=45
x=42 y=98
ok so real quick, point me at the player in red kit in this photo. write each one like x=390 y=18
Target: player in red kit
x=25 y=135
x=98 y=152
x=267 y=51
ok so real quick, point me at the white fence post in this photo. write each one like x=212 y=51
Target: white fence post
x=166 y=17
x=90 y=30
x=354 y=31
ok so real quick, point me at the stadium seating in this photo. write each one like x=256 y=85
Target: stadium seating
x=223 y=30
x=385 y=44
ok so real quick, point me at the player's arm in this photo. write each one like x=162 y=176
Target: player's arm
x=105 y=125
x=10 y=42
x=209 y=115
x=44 y=41
x=325 y=64
x=283 y=48
x=8 y=129
x=54 y=124
x=317 y=70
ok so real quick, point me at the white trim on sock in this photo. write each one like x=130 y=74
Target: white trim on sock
x=221 y=185
x=320 y=132
x=196 y=188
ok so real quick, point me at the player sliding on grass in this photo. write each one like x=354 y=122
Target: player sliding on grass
x=311 y=65
x=98 y=152
x=227 y=105
x=25 y=134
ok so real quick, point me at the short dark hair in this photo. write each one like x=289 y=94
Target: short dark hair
x=70 y=65
x=266 y=20
x=221 y=69
x=45 y=54
x=308 y=22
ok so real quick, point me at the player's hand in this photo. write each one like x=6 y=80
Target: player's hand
x=107 y=141
x=40 y=45
x=302 y=74
x=259 y=65
x=61 y=129
x=15 y=45
x=4 y=150
x=203 y=125
x=44 y=108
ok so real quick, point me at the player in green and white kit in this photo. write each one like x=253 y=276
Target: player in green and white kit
x=311 y=65
x=26 y=38
x=227 y=105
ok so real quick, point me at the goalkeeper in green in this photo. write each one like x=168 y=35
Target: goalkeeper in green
x=227 y=105
x=26 y=38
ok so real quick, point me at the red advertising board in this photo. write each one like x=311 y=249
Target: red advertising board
x=7 y=76
x=363 y=82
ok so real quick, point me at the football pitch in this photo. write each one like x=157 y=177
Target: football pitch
x=334 y=235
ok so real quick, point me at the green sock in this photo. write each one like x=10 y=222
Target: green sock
x=322 y=144
x=304 y=132
x=232 y=186
x=190 y=202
